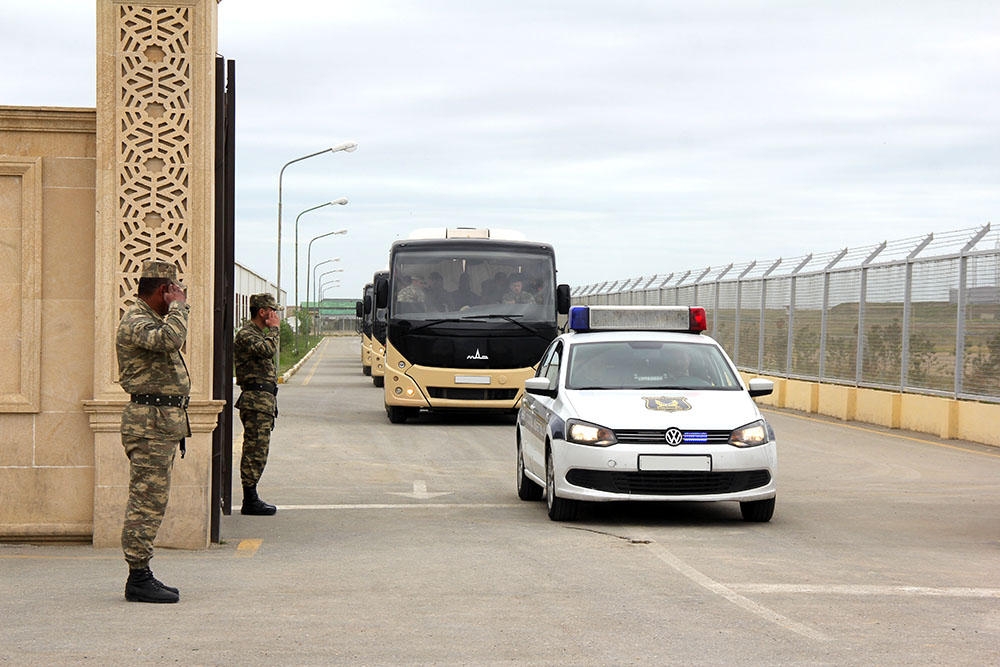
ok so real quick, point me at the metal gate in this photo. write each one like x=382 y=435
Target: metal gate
x=222 y=371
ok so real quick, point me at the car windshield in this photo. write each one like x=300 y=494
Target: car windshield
x=648 y=365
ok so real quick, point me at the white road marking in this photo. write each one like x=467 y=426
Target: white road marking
x=420 y=491
x=728 y=593
x=400 y=506
x=865 y=589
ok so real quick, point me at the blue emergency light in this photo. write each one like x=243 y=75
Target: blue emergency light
x=690 y=319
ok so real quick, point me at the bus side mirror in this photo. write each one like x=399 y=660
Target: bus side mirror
x=359 y=309
x=381 y=294
x=367 y=304
x=562 y=299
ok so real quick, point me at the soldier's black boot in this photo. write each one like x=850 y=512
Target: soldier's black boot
x=253 y=505
x=142 y=586
x=164 y=586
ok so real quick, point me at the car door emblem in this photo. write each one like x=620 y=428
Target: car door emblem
x=674 y=437
x=666 y=403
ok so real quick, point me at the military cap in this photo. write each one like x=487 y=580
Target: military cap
x=264 y=301
x=158 y=269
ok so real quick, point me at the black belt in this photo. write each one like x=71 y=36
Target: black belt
x=269 y=387
x=163 y=400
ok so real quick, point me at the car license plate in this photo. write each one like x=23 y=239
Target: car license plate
x=653 y=462
x=472 y=379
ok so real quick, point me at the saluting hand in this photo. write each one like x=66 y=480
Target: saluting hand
x=272 y=318
x=174 y=293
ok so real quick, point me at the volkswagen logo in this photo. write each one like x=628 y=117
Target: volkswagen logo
x=674 y=437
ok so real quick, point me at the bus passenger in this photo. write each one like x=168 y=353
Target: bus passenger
x=463 y=296
x=437 y=297
x=414 y=292
x=516 y=293
x=493 y=290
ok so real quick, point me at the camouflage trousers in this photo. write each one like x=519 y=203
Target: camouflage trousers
x=256 y=443
x=150 y=463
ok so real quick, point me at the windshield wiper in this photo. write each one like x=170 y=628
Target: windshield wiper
x=427 y=325
x=510 y=318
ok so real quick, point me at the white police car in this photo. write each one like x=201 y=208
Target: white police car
x=634 y=404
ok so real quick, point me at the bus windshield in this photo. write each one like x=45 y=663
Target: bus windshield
x=466 y=284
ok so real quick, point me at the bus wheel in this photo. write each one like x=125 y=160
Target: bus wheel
x=378 y=380
x=397 y=414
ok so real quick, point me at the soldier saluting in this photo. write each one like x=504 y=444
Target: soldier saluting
x=254 y=349
x=150 y=367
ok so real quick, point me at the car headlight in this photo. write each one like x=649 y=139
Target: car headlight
x=584 y=433
x=751 y=435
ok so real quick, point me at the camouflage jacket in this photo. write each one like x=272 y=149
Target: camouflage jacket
x=253 y=354
x=150 y=362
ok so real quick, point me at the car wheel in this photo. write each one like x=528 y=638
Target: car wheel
x=378 y=380
x=397 y=414
x=526 y=488
x=560 y=509
x=757 y=510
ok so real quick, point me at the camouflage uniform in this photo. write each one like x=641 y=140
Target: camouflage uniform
x=518 y=297
x=412 y=294
x=149 y=362
x=254 y=350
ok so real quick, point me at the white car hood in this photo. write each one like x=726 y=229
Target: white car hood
x=627 y=408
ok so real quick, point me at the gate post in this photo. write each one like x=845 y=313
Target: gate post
x=155 y=190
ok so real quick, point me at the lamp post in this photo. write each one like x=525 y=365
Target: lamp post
x=348 y=147
x=313 y=273
x=321 y=279
x=332 y=283
x=309 y=259
x=339 y=202
x=311 y=277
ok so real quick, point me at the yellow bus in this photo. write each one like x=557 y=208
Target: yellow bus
x=469 y=314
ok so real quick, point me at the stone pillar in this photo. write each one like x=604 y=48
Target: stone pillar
x=155 y=160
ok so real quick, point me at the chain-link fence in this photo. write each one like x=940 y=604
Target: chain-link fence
x=917 y=315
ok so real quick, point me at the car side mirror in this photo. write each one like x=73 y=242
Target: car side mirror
x=760 y=387
x=539 y=385
x=562 y=299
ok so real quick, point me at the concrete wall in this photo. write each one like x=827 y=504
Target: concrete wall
x=47 y=193
x=940 y=416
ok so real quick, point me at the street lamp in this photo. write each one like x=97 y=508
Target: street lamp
x=314 y=283
x=309 y=259
x=340 y=202
x=332 y=283
x=323 y=275
x=348 y=147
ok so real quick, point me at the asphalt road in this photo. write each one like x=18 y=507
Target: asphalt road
x=406 y=544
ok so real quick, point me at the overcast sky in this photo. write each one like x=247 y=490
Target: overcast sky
x=638 y=137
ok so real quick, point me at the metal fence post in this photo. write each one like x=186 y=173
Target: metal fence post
x=904 y=362
x=862 y=297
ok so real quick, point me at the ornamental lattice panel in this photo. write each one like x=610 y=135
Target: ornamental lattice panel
x=154 y=141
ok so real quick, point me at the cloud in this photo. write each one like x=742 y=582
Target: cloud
x=637 y=137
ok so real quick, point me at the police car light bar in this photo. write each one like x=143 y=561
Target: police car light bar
x=638 y=318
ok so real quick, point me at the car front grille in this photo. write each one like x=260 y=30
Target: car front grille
x=669 y=483
x=469 y=394
x=658 y=437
